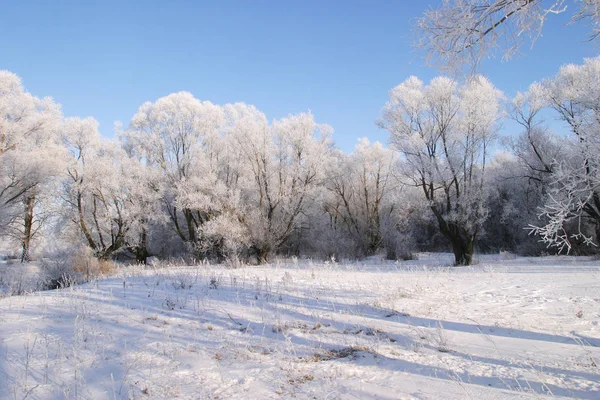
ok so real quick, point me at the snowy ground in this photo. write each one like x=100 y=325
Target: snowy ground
x=503 y=329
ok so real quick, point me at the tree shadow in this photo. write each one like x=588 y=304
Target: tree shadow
x=232 y=307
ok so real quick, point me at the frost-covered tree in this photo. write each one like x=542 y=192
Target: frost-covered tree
x=513 y=200
x=179 y=136
x=536 y=148
x=30 y=157
x=284 y=164
x=361 y=184
x=574 y=197
x=462 y=32
x=100 y=189
x=443 y=132
x=228 y=235
x=145 y=197
x=521 y=176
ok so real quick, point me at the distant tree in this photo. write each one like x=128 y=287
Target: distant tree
x=574 y=194
x=515 y=195
x=443 y=132
x=245 y=132
x=361 y=184
x=30 y=157
x=462 y=32
x=536 y=148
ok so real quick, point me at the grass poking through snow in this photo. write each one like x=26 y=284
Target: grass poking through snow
x=518 y=328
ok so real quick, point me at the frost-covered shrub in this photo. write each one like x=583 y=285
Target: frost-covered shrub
x=397 y=236
x=68 y=268
x=58 y=272
x=235 y=262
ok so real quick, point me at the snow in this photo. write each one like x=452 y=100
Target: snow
x=506 y=328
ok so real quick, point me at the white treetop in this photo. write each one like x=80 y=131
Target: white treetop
x=284 y=163
x=443 y=132
x=179 y=135
x=31 y=155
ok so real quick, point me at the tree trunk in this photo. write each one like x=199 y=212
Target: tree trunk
x=28 y=227
x=263 y=253
x=191 y=226
x=141 y=250
x=462 y=241
x=463 y=250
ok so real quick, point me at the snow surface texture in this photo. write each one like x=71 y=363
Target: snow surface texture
x=509 y=328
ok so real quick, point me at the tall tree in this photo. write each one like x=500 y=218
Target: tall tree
x=179 y=136
x=520 y=178
x=100 y=189
x=443 y=132
x=30 y=156
x=284 y=165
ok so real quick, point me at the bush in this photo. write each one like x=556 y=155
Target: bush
x=57 y=272
x=69 y=268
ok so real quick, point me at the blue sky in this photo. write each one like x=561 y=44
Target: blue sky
x=335 y=58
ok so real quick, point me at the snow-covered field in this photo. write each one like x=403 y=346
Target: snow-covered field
x=508 y=328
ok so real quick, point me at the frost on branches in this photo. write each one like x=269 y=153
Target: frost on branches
x=443 y=131
x=462 y=32
x=175 y=137
x=360 y=187
x=102 y=189
x=283 y=167
x=230 y=182
x=574 y=194
x=30 y=157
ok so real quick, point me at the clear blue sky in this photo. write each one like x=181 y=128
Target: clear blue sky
x=335 y=58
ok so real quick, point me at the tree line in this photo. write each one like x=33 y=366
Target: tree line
x=222 y=182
